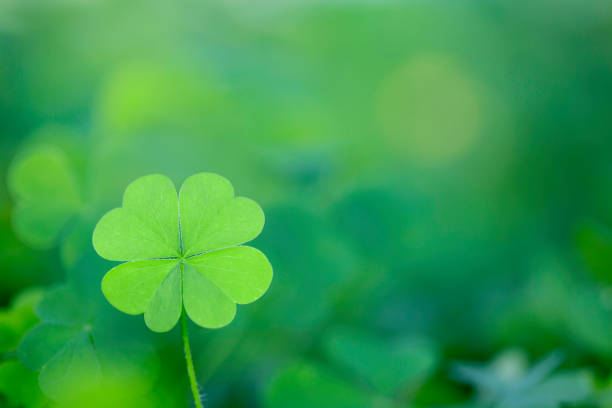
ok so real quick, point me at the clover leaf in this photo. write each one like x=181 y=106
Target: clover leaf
x=73 y=354
x=43 y=180
x=18 y=385
x=386 y=373
x=309 y=257
x=182 y=251
x=389 y=366
x=47 y=195
x=308 y=384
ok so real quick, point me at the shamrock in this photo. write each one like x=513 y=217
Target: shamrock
x=389 y=366
x=75 y=354
x=47 y=180
x=45 y=183
x=182 y=252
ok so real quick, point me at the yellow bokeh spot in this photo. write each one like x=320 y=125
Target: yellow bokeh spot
x=430 y=110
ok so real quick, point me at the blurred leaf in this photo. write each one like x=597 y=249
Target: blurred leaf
x=557 y=309
x=305 y=385
x=308 y=257
x=390 y=366
x=507 y=383
x=75 y=357
x=47 y=180
x=373 y=220
x=47 y=193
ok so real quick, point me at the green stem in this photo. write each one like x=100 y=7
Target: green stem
x=190 y=370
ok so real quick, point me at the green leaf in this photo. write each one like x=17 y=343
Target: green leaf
x=164 y=309
x=387 y=365
x=306 y=385
x=183 y=251
x=73 y=354
x=74 y=368
x=130 y=286
x=310 y=258
x=145 y=227
x=204 y=302
x=58 y=306
x=43 y=341
x=242 y=273
x=47 y=181
x=46 y=192
x=211 y=218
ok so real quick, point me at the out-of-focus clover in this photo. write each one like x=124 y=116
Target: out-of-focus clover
x=390 y=367
x=76 y=356
x=46 y=181
x=18 y=385
x=308 y=257
x=183 y=251
x=363 y=370
x=307 y=385
x=507 y=382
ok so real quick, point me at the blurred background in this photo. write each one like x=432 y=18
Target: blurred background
x=436 y=178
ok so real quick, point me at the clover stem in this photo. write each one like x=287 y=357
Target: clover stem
x=190 y=370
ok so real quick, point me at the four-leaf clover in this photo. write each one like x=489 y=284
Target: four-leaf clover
x=182 y=251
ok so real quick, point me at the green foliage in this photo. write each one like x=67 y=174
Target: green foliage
x=554 y=320
x=386 y=373
x=76 y=356
x=426 y=170
x=306 y=385
x=594 y=242
x=387 y=366
x=18 y=318
x=183 y=251
x=44 y=185
x=308 y=257
x=47 y=181
x=19 y=386
x=507 y=382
